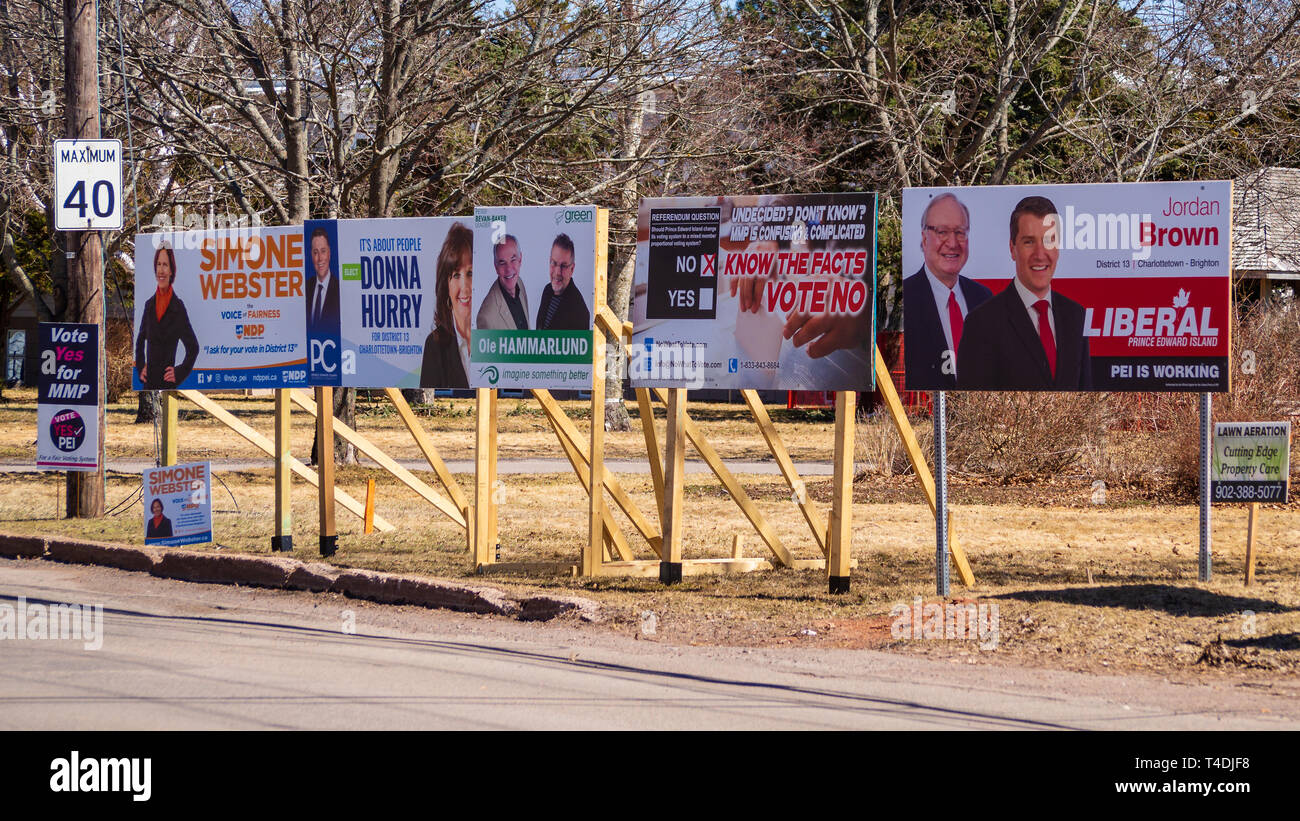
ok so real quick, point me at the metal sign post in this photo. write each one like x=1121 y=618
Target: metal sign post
x=1203 y=562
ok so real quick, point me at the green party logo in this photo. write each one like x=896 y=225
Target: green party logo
x=571 y=215
x=491 y=373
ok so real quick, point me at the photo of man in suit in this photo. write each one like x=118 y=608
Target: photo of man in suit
x=505 y=308
x=1027 y=337
x=562 y=307
x=322 y=289
x=937 y=299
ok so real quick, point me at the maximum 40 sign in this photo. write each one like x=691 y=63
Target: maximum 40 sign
x=87 y=185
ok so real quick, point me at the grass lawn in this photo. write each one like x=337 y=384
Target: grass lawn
x=1078 y=585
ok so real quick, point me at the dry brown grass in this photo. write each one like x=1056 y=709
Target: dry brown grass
x=523 y=430
x=1078 y=586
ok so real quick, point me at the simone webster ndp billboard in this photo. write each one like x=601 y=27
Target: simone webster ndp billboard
x=755 y=292
x=219 y=309
x=1110 y=287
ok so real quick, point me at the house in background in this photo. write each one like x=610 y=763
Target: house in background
x=21 y=340
x=1266 y=232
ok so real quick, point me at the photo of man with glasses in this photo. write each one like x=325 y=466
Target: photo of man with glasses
x=937 y=299
x=562 y=307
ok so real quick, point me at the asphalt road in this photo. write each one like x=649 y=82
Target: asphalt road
x=180 y=655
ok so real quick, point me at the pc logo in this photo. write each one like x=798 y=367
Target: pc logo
x=733 y=365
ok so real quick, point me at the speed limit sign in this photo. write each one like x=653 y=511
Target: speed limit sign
x=87 y=185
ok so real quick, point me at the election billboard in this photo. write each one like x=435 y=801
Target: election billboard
x=388 y=301
x=533 y=297
x=1106 y=287
x=178 y=504
x=762 y=292
x=67 y=409
x=219 y=309
x=1250 y=462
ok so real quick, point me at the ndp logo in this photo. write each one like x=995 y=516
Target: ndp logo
x=249 y=331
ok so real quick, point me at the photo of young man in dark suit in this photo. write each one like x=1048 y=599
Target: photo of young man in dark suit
x=937 y=299
x=322 y=289
x=1028 y=337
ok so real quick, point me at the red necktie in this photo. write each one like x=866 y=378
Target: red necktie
x=954 y=320
x=1045 y=333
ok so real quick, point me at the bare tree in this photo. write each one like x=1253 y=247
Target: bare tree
x=962 y=93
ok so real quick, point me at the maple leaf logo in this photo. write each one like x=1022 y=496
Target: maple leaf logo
x=1180 y=301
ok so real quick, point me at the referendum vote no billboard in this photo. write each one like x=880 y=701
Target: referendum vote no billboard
x=533 y=296
x=1107 y=287
x=387 y=301
x=219 y=309
x=763 y=292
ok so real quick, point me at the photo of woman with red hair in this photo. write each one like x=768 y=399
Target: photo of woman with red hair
x=165 y=324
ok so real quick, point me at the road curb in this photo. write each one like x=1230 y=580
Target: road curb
x=225 y=568
x=390 y=588
x=283 y=573
x=21 y=547
x=80 y=551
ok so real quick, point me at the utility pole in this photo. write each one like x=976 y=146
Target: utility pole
x=84 y=249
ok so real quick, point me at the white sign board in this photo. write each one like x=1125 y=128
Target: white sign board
x=532 y=302
x=220 y=309
x=178 y=504
x=765 y=292
x=87 y=185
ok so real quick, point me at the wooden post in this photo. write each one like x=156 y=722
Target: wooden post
x=647 y=413
x=329 y=540
x=613 y=535
x=593 y=556
x=841 y=523
x=670 y=569
x=265 y=445
x=170 y=417
x=571 y=440
x=84 y=249
x=774 y=444
x=282 y=541
x=425 y=444
x=369 y=522
x=480 y=533
x=1250 y=543
x=733 y=486
x=385 y=461
x=738 y=546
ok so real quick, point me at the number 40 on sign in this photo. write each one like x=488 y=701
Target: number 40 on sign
x=87 y=185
